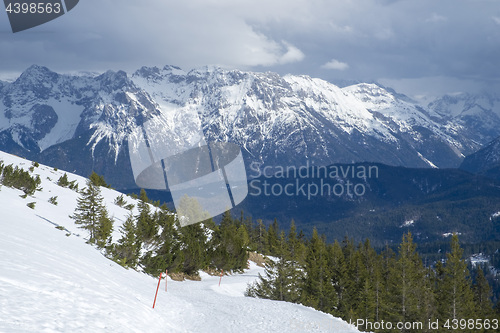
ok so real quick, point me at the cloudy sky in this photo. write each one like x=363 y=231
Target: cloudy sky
x=416 y=46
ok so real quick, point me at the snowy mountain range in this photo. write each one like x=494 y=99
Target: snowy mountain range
x=52 y=280
x=81 y=122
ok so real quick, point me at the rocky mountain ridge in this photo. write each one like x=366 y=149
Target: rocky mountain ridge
x=81 y=122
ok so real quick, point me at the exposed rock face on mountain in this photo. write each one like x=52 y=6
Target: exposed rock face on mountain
x=81 y=122
x=76 y=123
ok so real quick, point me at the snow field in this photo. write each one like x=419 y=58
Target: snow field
x=52 y=281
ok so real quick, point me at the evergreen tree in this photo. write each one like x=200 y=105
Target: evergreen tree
x=261 y=235
x=367 y=276
x=244 y=237
x=190 y=211
x=296 y=247
x=482 y=295
x=318 y=290
x=92 y=215
x=18 y=178
x=63 y=180
x=104 y=230
x=409 y=290
x=296 y=257
x=192 y=255
x=338 y=271
x=164 y=253
x=127 y=251
x=352 y=278
x=252 y=233
x=273 y=238
x=456 y=298
x=228 y=243
x=280 y=281
x=120 y=201
x=98 y=180
x=147 y=229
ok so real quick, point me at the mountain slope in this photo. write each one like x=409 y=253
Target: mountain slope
x=485 y=161
x=77 y=123
x=51 y=280
x=82 y=122
x=294 y=119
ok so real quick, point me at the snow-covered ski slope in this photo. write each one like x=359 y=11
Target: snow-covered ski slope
x=52 y=281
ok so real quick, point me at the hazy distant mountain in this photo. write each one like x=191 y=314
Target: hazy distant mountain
x=485 y=161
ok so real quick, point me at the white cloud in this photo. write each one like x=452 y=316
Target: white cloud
x=335 y=64
x=496 y=20
x=292 y=55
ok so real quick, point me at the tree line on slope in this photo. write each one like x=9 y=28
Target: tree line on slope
x=153 y=240
x=347 y=280
x=355 y=282
x=13 y=176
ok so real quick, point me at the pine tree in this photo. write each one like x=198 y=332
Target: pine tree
x=193 y=254
x=244 y=237
x=92 y=215
x=98 y=180
x=296 y=247
x=296 y=257
x=261 y=233
x=273 y=238
x=120 y=201
x=165 y=248
x=104 y=230
x=456 y=298
x=318 y=290
x=482 y=295
x=338 y=270
x=127 y=251
x=147 y=229
x=352 y=279
x=63 y=180
x=252 y=233
x=279 y=281
x=367 y=274
x=228 y=244
x=409 y=290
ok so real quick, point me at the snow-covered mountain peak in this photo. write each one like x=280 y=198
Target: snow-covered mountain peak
x=112 y=81
x=372 y=95
x=155 y=74
x=35 y=74
x=460 y=104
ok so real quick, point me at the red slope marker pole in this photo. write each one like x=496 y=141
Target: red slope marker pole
x=159 y=280
x=166 y=279
x=222 y=272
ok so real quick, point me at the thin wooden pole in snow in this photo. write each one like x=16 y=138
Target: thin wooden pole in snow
x=159 y=280
x=222 y=272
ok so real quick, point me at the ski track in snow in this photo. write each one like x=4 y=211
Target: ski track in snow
x=52 y=282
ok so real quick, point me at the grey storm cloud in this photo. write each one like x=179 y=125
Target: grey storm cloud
x=335 y=40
